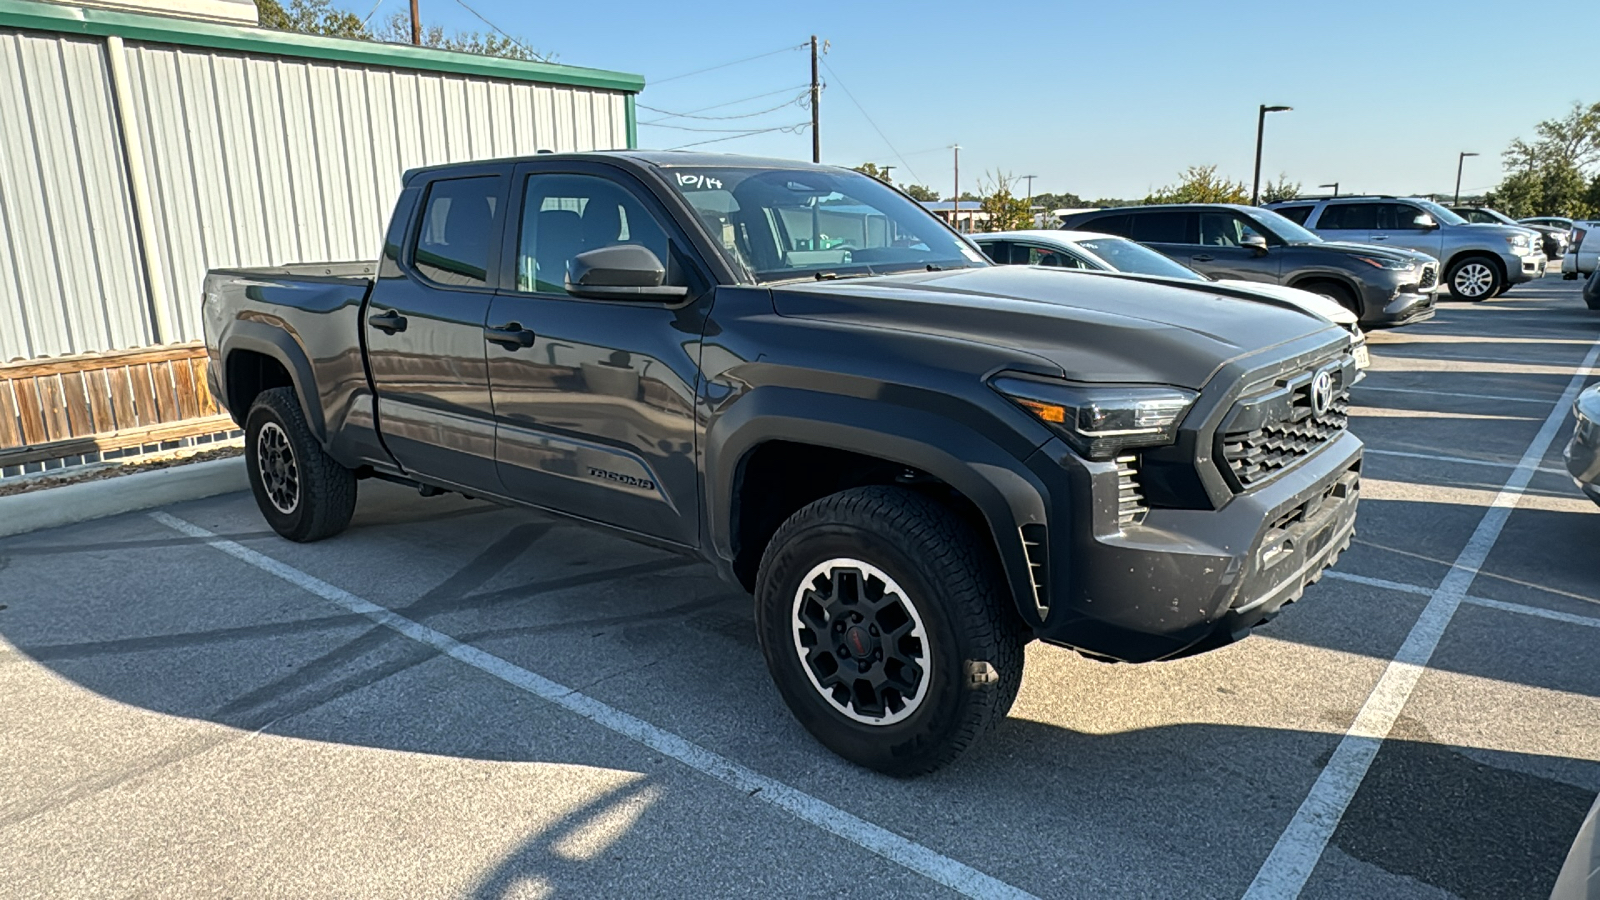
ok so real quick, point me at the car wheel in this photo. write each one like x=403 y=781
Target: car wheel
x=886 y=626
x=1338 y=293
x=1473 y=279
x=303 y=493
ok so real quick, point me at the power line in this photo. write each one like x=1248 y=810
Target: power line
x=726 y=64
x=870 y=121
x=503 y=33
x=691 y=113
x=750 y=115
x=790 y=129
x=707 y=130
x=374 y=9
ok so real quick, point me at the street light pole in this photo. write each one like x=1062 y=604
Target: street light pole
x=1461 y=160
x=1335 y=187
x=1261 y=125
x=955 y=214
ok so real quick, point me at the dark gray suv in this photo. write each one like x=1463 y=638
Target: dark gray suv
x=1384 y=286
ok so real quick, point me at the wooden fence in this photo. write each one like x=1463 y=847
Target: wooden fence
x=99 y=404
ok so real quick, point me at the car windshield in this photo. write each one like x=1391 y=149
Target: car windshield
x=1283 y=228
x=1440 y=214
x=782 y=224
x=1124 y=255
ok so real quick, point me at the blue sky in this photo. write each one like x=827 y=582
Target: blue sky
x=1102 y=99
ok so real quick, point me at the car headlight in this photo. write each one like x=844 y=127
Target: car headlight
x=1379 y=262
x=1101 y=420
x=1517 y=240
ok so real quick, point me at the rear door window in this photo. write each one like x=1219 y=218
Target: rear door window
x=1349 y=217
x=459 y=227
x=1164 y=227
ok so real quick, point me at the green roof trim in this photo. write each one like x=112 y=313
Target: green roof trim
x=131 y=26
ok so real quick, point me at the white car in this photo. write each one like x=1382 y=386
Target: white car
x=1583 y=253
x=1096 y=252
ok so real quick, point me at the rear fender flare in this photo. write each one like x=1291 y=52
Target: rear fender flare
x=274 y=342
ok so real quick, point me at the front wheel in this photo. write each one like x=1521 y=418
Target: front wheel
x=884 y=622
x=1474 y=278
x=303 y=493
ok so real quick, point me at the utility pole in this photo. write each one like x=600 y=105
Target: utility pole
x=416 y=25
x=885 y=171
x=955 y=214
x=1460 y=161
x=816 y=97
x=1030 y=179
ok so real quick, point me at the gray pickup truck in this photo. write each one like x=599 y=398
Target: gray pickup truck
x=916 y=461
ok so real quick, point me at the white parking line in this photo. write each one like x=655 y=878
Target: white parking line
x=1285 y=872
x=937 y=867
x=1518 y=608
x=1368 y=387
x=1460 y=460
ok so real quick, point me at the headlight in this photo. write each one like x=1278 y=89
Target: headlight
x=1398 y=265
x=1099 y=421
x=1517 y=240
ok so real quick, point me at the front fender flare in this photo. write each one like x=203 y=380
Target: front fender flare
x=1006 y=493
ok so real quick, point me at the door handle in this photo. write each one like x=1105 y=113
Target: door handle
x=1203 y=257
x=511 y=336
x=1380 y=237
x=388 y=322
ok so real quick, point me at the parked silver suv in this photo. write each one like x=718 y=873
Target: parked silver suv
x=1480 y=261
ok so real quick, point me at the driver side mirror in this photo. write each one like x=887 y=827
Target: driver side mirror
x=620 y=272
x=1255 y=242
x=1425 y=222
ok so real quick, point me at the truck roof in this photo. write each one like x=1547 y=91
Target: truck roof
x=660 y=158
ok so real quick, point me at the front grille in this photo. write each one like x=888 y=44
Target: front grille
x=1276 y=430
x=1130 y=499
x=1430 y=277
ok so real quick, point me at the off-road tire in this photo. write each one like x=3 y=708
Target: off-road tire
x=1490 y=278
x=974 y=639
x=324 y=496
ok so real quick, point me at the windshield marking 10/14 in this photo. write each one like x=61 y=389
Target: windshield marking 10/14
x=781 y=224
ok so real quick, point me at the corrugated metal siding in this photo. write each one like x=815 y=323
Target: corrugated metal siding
x=248 y=161
x=70 y=280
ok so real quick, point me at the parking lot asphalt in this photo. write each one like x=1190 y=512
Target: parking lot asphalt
x=457 y=699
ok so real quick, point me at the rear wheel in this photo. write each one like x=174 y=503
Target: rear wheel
x=303 y=493
x=883 y=620
x=1474 y=278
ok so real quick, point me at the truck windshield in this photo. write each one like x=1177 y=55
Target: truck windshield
x=1124 y=255
x=783 y=224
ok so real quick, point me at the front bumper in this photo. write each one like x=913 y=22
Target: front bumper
x=1186 y=580
x=1395 y=307
x=1583 y=451
x=1524 y=268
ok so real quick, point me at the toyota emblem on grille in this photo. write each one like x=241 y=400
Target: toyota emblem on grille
x=1321 y=392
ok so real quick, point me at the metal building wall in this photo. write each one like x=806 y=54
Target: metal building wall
x=247 y=159
x=70 y=276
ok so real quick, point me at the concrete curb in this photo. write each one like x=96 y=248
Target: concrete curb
x=74 y=503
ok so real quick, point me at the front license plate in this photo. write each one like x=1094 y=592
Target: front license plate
x=1363 y=359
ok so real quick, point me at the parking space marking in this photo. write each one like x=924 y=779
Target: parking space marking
x=935 y=866
x=1502 y=605
x=1466 y=396
x=1297 y=851
x=1461 y=460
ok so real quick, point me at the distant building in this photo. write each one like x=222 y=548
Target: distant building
x=967 y=219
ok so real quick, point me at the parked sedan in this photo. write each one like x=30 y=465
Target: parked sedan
x=1553 y=237
x=1095 y=252
x=1583 y=453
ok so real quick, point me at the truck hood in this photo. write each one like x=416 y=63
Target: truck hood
x=1094 y=328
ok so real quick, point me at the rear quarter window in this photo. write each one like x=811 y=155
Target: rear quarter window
x=1295 y=214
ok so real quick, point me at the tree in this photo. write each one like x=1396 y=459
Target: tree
x=1058 y=201
x=1282 y=189
x=1554 y=175
x=966 y=197
x=873 y=170
x=397 y=30
x=1201 y=184
x=921 y=193
x=312 y=17
x=1007 y=212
